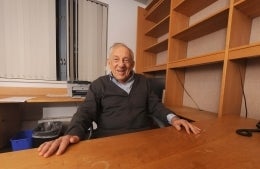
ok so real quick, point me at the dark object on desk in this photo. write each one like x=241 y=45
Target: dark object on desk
x=46 y=131
x=248 y=132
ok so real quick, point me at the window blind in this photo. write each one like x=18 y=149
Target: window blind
x=91 y=39
x=28 y=39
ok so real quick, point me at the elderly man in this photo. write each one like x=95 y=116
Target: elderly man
x=119 y=103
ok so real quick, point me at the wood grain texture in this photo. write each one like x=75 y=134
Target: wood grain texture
x=218 y=146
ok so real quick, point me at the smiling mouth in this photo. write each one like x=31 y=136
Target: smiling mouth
x=121 y=71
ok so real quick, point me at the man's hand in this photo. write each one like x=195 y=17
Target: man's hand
x=179 y=123
x=59 y=145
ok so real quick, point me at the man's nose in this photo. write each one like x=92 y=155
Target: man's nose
x=121 y=62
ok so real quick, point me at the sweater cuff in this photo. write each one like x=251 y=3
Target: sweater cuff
x=76 y=132
x=169 y=117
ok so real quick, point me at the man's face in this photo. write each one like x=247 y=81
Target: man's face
x=121 y=63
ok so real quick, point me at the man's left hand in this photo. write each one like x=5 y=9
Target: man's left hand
x=179 y=123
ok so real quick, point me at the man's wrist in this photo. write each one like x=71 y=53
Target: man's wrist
x=171 y=117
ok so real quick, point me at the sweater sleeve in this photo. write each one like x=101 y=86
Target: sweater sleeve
x=156 y=107
x=85 y=115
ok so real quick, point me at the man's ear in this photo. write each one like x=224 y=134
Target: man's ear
x=133 y=64
x=108 y=61
x=108 y=65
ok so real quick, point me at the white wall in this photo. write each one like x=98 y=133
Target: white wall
x=122 y=21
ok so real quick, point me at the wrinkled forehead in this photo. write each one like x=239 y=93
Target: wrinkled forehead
x=121 y=51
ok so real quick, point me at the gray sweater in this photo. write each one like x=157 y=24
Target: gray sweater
x=115 y=111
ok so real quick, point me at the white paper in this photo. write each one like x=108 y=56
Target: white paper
x=14 y=99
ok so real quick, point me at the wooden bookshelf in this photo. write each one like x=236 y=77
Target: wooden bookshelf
x=159 y=29
x=153 y=37
x=209 y=25
x=158 y=47
x=233 y=24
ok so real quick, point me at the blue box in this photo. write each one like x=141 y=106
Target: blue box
x=22 y=140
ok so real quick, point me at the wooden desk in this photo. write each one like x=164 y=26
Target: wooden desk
x=38 y=95
x=218 y=146
x=11 y=109
x=51 y=99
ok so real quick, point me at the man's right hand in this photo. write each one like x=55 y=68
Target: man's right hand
x=57 y=146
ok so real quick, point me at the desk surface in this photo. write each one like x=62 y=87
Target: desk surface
x=36 y=95
x=38 y=99
x=218 y=146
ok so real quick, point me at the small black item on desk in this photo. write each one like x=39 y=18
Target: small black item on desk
x=248 y=132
